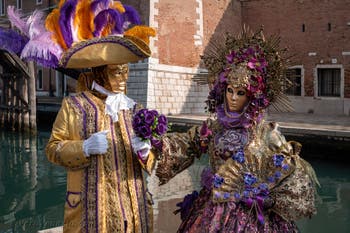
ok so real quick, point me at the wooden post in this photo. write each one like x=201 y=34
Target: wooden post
x=32 y=98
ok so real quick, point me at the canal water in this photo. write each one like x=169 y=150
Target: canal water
x=32 y=191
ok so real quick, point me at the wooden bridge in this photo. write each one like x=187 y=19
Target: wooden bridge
x=17 y=99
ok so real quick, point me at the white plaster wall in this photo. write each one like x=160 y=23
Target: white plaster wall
x=317 y=105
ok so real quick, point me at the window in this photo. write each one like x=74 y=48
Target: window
x=19 y=4
x=2 y=7
x=328 y=82
x=38 y=2
x=39 y=78
x=295 y=77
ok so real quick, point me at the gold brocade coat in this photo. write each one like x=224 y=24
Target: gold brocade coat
x=105 y=193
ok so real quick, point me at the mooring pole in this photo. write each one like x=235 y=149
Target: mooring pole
x=32 y=98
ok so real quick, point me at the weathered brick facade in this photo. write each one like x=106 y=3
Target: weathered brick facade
x=315 y=31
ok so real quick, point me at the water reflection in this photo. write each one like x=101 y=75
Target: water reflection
x=32 y=190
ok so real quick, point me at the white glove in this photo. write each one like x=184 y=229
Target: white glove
x=96 y=144
x=141 y=147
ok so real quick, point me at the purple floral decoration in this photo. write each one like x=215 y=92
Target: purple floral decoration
x=278 y=160
x=150 y=125
x=239 y=156
x=256 y=63
x=249 y=179
x=218 y=180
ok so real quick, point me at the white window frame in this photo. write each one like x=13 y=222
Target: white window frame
x=39 y=2
x=39 y=68
x=329 y=66
x=17 y=4
x=302 y=81
x=2 y=7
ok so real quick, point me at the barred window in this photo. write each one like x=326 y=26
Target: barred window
x=294 y=76
x=328 y=80
x=19 y=4
x=39 y=79
x=2 y=7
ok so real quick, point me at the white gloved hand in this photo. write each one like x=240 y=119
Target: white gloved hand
x=96 y=144
x=141 y=147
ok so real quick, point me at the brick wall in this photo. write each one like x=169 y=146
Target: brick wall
x=323 y=42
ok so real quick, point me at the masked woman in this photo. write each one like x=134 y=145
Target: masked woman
x=256 y=181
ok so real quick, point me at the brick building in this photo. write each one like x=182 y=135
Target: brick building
x=315 y=31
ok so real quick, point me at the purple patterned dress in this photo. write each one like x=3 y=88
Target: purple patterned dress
x=256 y=181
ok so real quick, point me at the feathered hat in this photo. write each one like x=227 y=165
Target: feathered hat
x=83 y=34
x=247 y=60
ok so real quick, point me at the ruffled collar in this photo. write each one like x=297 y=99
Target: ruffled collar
x=115 y=102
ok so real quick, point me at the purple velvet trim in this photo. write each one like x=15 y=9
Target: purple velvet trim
x=84 y=115
x=97 y=175
x=143 y=190
x=72 y=206
x=95 y=109
x=111 y=39
x=116 y=162
x=67 y=11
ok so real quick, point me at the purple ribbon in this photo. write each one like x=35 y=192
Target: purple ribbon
x=257 y=201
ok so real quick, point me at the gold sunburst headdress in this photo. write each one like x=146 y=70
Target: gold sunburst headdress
x=250 y=61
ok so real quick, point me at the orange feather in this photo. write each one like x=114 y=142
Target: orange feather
x=82 y=20
x=118 y=6
x=52 y=25
x=141 y=32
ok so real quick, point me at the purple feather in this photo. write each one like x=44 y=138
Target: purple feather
x=131 y=15
x=36 y=24
x=67 y=14
x=16 y=20
x=43 y=51
x=98 y=5
x=12 y=41
x=106 y=17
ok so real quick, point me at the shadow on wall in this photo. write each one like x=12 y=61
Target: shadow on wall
x=218 y=19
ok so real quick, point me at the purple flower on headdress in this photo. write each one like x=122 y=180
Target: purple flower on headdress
x=257 y=64
x=222 y=77
x=230 y=57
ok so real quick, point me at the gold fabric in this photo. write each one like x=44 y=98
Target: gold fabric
x=293 y=192
x=105 y=193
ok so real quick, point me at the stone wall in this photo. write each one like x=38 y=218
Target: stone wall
x=169 y=89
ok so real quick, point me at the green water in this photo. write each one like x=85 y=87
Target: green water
x=32 y=191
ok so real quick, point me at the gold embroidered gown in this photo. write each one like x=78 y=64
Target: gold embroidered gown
x=105 y=193
x=256 y=181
